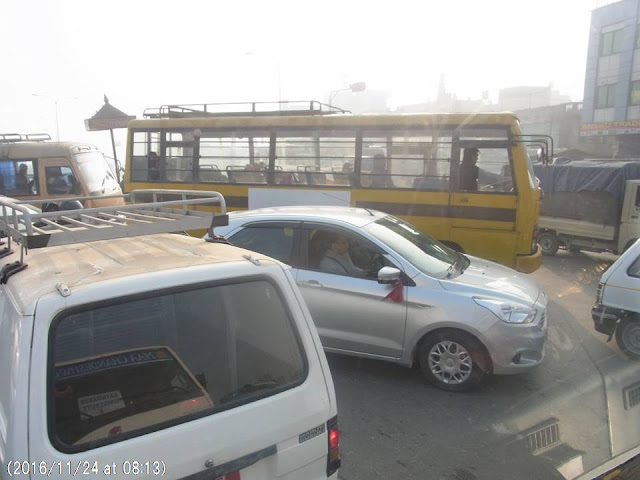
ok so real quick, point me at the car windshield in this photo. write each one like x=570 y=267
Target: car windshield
x=425 y=253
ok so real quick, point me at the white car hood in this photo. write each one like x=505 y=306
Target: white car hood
x=489 y=279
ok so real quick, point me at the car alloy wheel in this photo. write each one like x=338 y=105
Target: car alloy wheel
x=450 y=362
x=453 y=360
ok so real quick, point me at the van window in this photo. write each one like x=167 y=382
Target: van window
x=125 y=369
x=60 y=180
x=634 y=269
x=18 y=178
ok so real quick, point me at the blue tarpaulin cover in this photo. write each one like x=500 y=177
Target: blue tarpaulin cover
x=588 y=176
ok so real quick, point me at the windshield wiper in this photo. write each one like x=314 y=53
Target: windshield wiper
x=248 y=388
x=451 y=269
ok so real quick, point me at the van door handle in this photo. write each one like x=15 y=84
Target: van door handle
x=311 y=283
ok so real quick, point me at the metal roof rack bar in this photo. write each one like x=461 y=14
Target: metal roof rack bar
x=24 y=137
x=164 y=214
x=289 y=107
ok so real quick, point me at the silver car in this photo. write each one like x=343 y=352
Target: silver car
x=379 y=288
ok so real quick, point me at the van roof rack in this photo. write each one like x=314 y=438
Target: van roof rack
x=167 y=211
x=243 y=109
x=24 y=137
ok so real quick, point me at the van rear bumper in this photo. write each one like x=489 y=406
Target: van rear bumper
x=529 y=263
x=604 y=318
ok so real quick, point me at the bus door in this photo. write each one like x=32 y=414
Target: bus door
x=483 y=199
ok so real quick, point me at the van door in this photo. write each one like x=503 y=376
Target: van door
x=188 y=380
x=58 y=178
x=630 y=217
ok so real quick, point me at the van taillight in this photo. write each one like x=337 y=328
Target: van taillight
x=333 y=456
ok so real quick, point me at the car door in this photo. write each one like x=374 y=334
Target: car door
x=350 y=310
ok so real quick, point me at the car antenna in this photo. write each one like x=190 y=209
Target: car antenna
x=370 y=212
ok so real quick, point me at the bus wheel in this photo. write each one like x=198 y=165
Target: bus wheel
x=628 y=337
x=548 y=243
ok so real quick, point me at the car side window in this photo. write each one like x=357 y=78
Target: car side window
x=275 y=242
x=342 y=253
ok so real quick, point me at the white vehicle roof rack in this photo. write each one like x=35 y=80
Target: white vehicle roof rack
x=168 y=211
x=24 y=137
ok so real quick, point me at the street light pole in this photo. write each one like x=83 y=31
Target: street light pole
x=55 y=106
x=354 y=87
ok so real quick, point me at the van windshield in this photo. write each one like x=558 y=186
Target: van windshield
x=96 y=173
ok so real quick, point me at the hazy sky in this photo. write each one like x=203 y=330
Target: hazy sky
x=148 y=53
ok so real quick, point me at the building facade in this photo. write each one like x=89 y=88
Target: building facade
x=611 y=105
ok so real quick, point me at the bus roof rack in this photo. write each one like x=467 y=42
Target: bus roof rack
x=167 y=212
x=243 y=109
x=24 y=137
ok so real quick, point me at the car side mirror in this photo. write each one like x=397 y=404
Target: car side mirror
x=388 y=275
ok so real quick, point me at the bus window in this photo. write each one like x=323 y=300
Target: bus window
x=144 y=143
x=486 y=170
x=320 y=159
x=229 y=158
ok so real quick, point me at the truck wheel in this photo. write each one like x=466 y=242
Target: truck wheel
x=628 y=337
x=548 y=243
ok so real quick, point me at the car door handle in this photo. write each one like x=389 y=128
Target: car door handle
x=311 y=283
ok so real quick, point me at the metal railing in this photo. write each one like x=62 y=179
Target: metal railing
x=297 y=107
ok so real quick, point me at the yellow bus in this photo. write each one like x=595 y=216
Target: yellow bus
x=465 y=179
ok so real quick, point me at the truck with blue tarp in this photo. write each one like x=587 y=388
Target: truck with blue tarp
x=589 y=205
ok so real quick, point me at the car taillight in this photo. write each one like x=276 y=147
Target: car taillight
x=599 y=292
x=333 y=456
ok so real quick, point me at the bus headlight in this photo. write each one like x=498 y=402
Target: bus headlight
x=506 y=312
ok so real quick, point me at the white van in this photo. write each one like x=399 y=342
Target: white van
x=47 y=174
x=617 y=308
x=153 y=354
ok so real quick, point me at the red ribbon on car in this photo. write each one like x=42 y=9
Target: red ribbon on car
x=396 y=294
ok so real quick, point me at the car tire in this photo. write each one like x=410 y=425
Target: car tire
x=548 y=243
x=628 y=337
x=453 y=360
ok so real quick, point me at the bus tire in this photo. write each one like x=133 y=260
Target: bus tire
x=548 y=243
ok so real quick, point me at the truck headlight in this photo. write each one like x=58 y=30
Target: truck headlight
x=506 y=312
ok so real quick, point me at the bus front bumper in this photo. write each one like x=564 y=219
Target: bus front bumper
x=529 y=263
